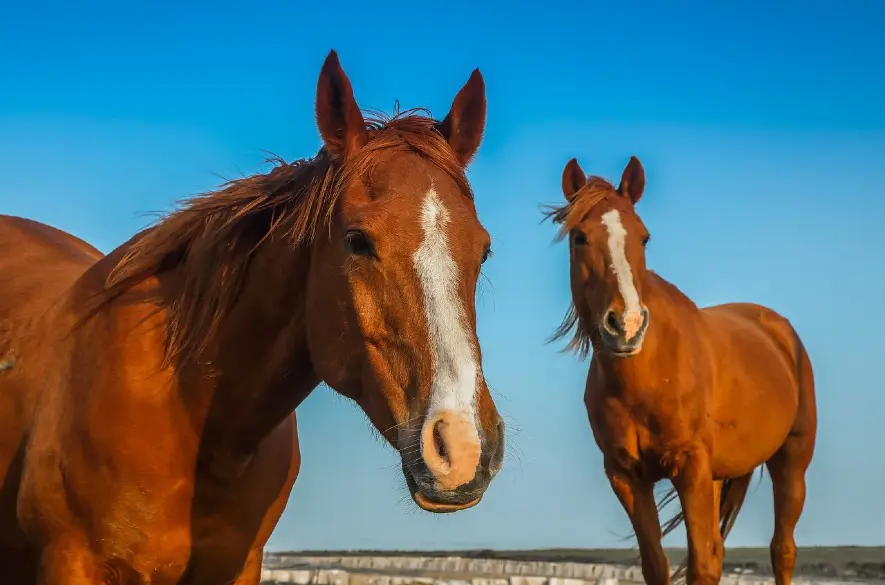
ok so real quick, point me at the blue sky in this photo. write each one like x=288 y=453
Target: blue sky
x=760 y=126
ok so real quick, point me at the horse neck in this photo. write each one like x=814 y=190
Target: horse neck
x=672 y=315
x=261 y=368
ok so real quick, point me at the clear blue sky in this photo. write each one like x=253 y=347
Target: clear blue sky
x=761 y=127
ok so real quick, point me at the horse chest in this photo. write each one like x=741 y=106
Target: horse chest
x=203 y=547
x=650 y=422
x=640 y=437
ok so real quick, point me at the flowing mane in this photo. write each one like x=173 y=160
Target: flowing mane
x=567 y=216
x=212 y=237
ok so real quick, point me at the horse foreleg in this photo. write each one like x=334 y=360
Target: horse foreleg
x=637 y=498
x=693 y=480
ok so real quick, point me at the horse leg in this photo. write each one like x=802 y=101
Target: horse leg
x=694 y=484
x=637 y=498
x=787 y=469
x=788 y=485
x=718 y=543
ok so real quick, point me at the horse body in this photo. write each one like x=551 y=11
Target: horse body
x=25 y=297
x=699 y=396
x=149 y=435
x=763 y=346
x=719 y=404
x=82 y=481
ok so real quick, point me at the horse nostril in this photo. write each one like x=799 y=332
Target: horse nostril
x=450 y=448
x=438 y=444
x=612 y=323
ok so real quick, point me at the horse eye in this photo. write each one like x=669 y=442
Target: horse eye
x=579 y=238
x=486 y=254
x=645 y=240
x=359 y=243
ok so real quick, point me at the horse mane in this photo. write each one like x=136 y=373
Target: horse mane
x=568 y=216
x=212 y=237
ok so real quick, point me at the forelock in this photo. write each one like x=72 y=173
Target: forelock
x=570 y=215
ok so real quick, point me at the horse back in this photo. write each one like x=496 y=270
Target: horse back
x=37 y=264
x=754 y=340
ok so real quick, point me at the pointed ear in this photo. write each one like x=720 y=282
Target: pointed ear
x=633 y=181
x=464 y=124
x=573 y=178
x=338 y=117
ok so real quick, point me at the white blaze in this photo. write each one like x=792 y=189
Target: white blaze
x=617 y=237
x=454 y=359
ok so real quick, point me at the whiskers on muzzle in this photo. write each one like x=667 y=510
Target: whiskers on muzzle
x=449 y=460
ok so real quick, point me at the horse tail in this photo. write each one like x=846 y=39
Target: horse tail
x=731 y=499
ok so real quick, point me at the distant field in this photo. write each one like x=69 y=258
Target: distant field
x=840 y=561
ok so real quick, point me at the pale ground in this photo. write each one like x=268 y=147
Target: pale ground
x=867 y=563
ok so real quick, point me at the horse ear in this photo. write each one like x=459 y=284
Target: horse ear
x=573 y=179
x=633 y=180
x=338 y=116
x=464 y=124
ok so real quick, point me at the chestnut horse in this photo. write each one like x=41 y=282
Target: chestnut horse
x=147 y=423
x=699 y=396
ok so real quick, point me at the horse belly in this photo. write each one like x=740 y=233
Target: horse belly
x=753 y=413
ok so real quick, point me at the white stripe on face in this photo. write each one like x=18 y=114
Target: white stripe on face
x=617 y=238
x=454 y=359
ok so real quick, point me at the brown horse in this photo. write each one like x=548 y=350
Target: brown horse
x=146 y=426
x=699 y=396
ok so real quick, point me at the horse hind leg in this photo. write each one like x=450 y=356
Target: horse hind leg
x=787 y=469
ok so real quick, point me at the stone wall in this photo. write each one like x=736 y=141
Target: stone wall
x=339 y=577
x=408 y=570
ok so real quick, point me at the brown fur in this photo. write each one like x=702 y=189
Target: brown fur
x=148 y=431
x=214 y=236
x=568 y=217
x=703 y=398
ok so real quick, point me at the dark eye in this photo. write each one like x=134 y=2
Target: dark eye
x=579 y=238
x=359 y=243
x=645 y=240
x=486 y=254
